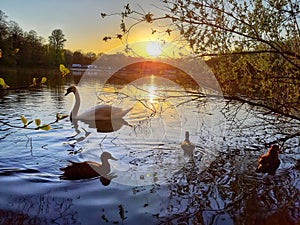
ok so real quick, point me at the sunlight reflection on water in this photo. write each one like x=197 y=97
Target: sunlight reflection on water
x=162 y=112
x=205 y=186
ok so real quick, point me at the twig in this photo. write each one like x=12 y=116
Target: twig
x=284 y=139
x=102 y=140
x=29 y=139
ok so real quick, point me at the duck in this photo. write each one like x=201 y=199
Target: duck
x=187 y=146
x=87 y=169
x=269 y=162
x=100 y=112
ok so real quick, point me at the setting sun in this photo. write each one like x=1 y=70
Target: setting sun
x=153 y=49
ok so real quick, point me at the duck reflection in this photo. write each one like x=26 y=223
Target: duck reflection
x=89 y=169
x=187 y=146
x=105 y=181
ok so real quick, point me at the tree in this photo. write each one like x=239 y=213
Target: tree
x=57 y=39
x=3 y=28
x=15 y=42
x=32 y=50
x=18 y=48
x=90 y=57
x=254 y=46
x=68 y=56
x=3 y=35
x=77 y=57
x=56 y=44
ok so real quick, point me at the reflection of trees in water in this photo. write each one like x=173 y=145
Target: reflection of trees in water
x=229 y=191
x=222 y=194
x=39 y=209
x=260 y=126
x=122 y=214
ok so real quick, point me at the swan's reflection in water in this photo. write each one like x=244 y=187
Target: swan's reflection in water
x=106 y=126
x=102 y=126
x=90 y=169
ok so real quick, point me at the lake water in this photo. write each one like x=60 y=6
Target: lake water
x=152 y=182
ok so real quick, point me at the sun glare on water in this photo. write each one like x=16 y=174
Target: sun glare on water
x=153 y=49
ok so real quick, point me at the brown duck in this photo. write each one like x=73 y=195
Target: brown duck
x=269 y=162
x=87 y=169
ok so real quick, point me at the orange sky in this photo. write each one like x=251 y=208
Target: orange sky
x=80 y=21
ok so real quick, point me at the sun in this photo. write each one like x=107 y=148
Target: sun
x=153 y=49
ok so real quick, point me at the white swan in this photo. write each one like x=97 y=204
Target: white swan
x=187 y=146
x=100 y=112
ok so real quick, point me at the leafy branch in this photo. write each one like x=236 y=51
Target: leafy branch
x=36 y=82
x=64 y=70
x=37 y=121
x=252 y=47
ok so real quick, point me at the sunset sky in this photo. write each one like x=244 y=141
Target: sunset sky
x=79 y=20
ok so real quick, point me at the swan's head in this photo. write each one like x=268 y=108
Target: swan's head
x=71 y=89
x=105 y=156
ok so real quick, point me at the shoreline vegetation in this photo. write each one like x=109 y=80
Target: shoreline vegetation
x=26 y=49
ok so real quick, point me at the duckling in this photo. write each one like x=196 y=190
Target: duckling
x=269 y=162
x=187 y=146
x=87 y=169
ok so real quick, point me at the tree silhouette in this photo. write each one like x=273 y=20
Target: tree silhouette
x=253 y=46
x=56 y=44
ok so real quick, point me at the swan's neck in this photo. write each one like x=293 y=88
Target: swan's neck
x=75 y=109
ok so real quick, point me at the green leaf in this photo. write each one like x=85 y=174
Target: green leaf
x=61 y=116
x=34 y=81
x=45 y=127
x=64 y=71
x=24 y=120
x=62 y=68
x=38 y=122
x=44 y=80
x=67 y=71
x=3 y=84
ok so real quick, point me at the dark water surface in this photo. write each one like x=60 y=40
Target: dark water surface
x=152 y=181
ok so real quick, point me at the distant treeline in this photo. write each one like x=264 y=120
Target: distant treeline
x=19 y=48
